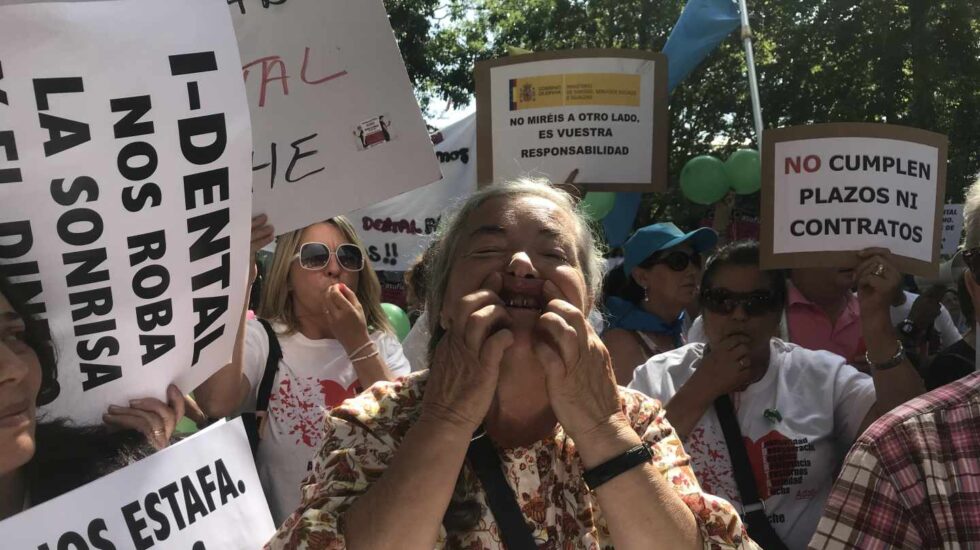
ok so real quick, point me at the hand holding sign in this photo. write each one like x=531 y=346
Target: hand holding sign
x=878 y=282
x=153 y=418
x=262 y=235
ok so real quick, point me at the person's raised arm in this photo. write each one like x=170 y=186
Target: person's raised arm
x=423 y=473
x=347 y=321
x=641 y=507
x=223 y=393
x=878 y=281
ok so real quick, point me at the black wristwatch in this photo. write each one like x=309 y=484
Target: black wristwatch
x=617 y=465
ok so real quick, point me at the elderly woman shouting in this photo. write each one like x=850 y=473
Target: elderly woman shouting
x=517 y=436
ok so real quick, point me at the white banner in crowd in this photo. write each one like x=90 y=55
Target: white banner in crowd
x=337 y=126
x=952 y=228
x=831 y=189
x=601 y=112
x=124 y=153
x=202 y=493
x=398 y=229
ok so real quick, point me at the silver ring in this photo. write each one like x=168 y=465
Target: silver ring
x=879 y=271
x=158 y=432
x=743 y=362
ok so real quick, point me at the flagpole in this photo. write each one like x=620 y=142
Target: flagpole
x=753 y=83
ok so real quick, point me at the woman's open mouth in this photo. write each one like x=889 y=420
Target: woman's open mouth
x=523 y=294
x=521 y=301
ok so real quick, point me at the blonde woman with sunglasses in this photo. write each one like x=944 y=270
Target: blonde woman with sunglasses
x=321 y=303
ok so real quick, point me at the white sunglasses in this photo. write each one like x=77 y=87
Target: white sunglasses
x=315 y=256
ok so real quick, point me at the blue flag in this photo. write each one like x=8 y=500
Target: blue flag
x=701 y=27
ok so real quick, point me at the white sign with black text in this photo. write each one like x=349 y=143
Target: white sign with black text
x=124 y=162
x=202 y=493
x=398 y=229
x=827 y=192
x=601 y=112
x=952 y=228
x=336 y=123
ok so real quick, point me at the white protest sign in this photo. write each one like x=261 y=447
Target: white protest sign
x=952 y=228
x=832 y=189
x=602 y=112
x=398 y=229
x=202 y=493
x=336 y=123
x=124 y=204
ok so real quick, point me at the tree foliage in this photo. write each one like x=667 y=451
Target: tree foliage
x=912 y=62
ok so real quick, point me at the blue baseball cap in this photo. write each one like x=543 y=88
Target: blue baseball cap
x=661 y=236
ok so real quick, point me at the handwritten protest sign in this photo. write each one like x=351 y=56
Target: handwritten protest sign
x=831 y=189
x=202 y=493
x=602 y=112
x=398 y=229
x=952 y=228
x=336 y=124
x=124 y=211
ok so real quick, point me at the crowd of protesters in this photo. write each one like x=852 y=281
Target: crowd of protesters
x=687 y=395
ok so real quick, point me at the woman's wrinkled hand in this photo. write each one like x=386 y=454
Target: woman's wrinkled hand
x=579 y=375
x=466 y=364
x=151 y=417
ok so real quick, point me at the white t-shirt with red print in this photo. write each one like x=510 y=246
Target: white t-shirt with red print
x=797 y=422
x=313 y=376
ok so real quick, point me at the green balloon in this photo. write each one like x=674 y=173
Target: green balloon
x=744 y=171
x=703 y=180
x=398 y=319
x=598 y=204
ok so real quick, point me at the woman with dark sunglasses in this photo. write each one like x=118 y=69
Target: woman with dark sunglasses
x=663 y=267
x=321 y=311
x=796 y=411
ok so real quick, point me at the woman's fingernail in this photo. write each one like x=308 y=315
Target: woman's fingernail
x=113 y=408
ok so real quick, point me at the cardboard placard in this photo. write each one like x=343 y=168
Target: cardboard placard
x=335 y=120
x=397 y=230
x=602 y=112
x=829 y=190
x=124 y=202
x=202 y=493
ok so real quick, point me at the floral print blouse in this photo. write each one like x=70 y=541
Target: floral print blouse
x=363 y=434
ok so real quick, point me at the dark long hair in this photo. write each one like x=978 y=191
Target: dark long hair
x=38 y=336
x=66 y=456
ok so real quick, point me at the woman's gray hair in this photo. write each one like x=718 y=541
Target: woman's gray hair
x=450 y=235
x=971 y=216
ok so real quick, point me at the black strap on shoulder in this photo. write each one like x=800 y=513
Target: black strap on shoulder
x=500 y=497
x=753 y=509
x=271 y=368
x=253 y=421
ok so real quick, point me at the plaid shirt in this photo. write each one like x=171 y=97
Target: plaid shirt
x=913 y=479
